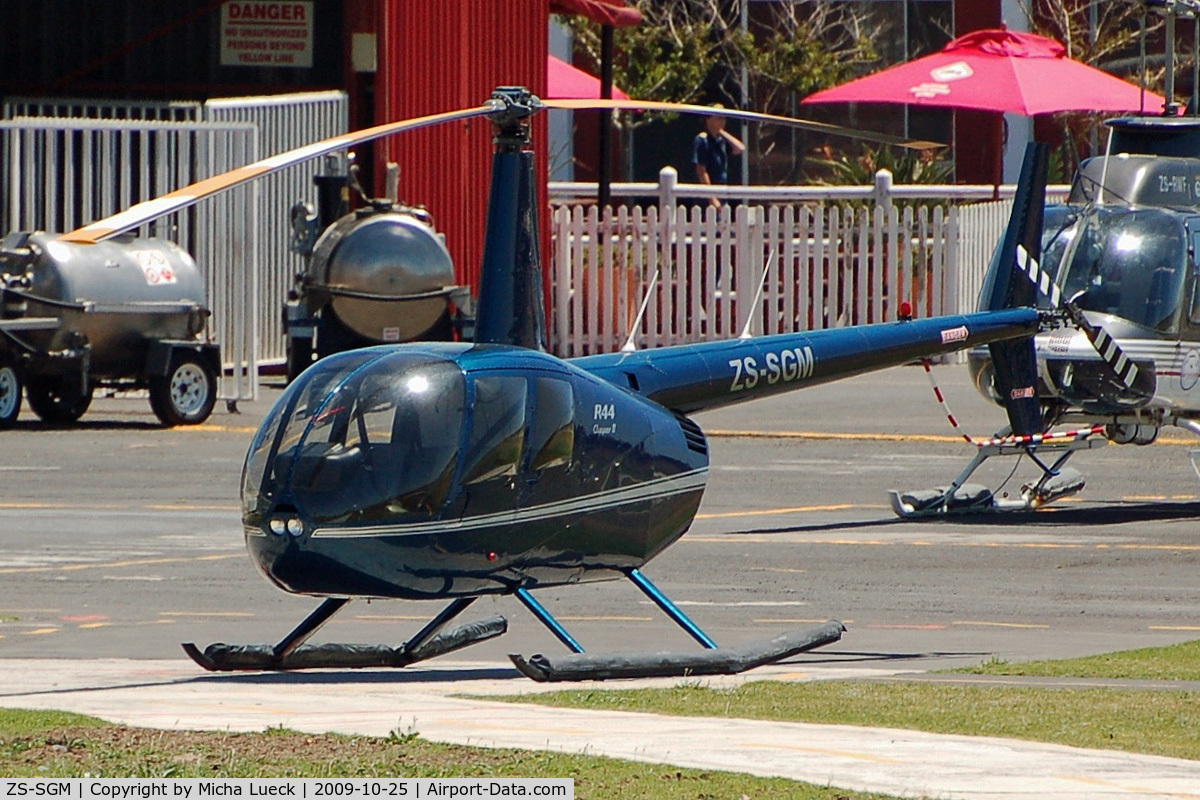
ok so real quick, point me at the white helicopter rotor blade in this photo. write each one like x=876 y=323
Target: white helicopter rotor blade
x=733 y=113
x=140 y=214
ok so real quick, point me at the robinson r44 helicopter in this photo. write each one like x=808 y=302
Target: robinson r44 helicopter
x=1116 y=270
x=449 y=471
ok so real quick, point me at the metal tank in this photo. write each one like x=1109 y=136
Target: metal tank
x=124 y=313
x=380 y=274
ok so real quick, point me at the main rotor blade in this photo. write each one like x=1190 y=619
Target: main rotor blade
x=179 y=199
x=733 y=113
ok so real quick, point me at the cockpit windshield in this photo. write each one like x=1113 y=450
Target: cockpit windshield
x=1130 y=263
x=361 y=437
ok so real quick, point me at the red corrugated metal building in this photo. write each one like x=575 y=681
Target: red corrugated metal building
x=430 y=56
x=439 y=56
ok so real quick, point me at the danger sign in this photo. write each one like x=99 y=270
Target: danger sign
x=267 y=34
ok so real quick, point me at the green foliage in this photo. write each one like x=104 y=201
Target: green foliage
x=1160 y=723
x=90 y=748
x=22 y=722
x=907 y=168
x=805 y=45
x=1178 y=662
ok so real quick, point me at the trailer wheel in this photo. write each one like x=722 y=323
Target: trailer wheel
x=57 y=398
x=299 y=356
x=187 y=393
x=10 y=392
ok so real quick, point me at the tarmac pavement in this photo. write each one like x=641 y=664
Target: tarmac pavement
x=171 y=694
x=119 y=538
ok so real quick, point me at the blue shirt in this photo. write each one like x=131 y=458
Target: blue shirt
x=713 y=154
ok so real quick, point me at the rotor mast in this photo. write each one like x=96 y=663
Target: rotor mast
x=511 y=308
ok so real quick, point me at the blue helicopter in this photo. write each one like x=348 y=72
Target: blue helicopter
x=450 y=471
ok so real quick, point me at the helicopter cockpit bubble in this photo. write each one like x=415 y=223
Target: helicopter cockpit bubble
x=366 y=436
x=1131 y=264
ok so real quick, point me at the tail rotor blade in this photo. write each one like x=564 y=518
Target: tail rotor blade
x=1123 y=368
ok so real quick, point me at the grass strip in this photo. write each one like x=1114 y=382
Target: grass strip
x=1178 y=662
x=1159 y=723
x=54 y=745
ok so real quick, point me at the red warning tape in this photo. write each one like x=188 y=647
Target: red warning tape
x=1034 y=438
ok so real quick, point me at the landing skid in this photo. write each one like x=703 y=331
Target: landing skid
x=712 y=660
x=960 y=497
x=291 y=653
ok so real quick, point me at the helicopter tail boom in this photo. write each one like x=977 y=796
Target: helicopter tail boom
x=696 y=377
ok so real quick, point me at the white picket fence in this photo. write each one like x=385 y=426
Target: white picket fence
x=703 y=273
x=787 y=259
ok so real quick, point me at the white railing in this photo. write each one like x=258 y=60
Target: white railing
x=68 y=162
x=814 y=258
x=62 y=173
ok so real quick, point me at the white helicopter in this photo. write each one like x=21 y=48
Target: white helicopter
x=1116 y=272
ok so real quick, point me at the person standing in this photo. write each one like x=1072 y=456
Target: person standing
x=711 y=150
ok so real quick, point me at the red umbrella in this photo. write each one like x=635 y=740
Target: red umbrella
x=567 y=82
x=614 y=13
x=996 y=70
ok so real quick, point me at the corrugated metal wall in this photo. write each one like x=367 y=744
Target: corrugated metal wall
x=477 y=45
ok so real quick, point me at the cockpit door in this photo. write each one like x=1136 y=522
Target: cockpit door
x=495 y=443
x=1192 y=317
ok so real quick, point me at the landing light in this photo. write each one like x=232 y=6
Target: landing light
x=418 y=384
x=295 y=527
x=278 y=526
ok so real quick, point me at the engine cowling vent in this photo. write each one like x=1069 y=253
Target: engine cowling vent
x=696 y=440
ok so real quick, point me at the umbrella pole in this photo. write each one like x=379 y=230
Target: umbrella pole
x=604 y=171
x=998 y=165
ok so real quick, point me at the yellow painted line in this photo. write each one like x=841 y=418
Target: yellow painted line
x=487 y=727
x=1157 y=546
x=982 y=623
x=88 y=625
x=844 y=436
x=826 y=752
x=1145 y=497
x=141 y=562
x=215 y=429
x=1123 y=788
x=776 y=511
x=837 y=437
x=738 y=539
x=798 y=621
x=1175 y=627
x=187 y=507
x=31 y=506
x=39 y=631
